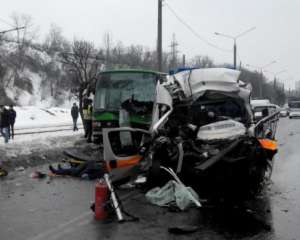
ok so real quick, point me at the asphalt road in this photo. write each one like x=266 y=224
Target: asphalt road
x=58 y=208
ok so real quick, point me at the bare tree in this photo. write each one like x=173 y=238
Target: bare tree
x=55 y=41
x=54 y=44
x=83 y=63
x=24 y=37
x=202 y=62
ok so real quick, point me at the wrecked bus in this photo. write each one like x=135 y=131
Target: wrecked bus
x=202 y=128
x=132 y=90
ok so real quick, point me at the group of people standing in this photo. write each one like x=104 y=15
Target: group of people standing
x=87 y=110
x=7 y=122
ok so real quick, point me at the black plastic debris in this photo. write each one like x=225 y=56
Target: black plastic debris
x=184 y=229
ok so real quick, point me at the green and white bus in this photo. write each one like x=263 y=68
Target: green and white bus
x=124 y=91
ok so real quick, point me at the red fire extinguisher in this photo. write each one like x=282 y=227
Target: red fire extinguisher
x=101 y=198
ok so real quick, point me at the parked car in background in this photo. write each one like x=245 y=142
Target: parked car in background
x=284 y=112
x=262 y=108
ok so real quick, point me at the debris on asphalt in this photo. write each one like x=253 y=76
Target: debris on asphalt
x=20 y=169
x=38 y=175
x=140 y=180
x=185 y=229
x=126 y=186
x=3 y=172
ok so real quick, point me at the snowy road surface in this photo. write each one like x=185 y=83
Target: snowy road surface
x=35 y=149
x=58 y=208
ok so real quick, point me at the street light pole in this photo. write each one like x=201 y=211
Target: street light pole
x=234 y=38
x=159 y=37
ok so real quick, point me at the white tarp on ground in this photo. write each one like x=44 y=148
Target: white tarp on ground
x=215 y=79
x=172 y=193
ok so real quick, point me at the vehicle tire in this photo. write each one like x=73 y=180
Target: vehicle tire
x=157 y=177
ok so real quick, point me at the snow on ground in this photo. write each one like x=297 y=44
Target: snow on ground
x=35 y=145
x=39 y=149
x=34 y=117
x=26 y=144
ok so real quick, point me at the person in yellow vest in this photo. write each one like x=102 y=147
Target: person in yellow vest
x=87 y=117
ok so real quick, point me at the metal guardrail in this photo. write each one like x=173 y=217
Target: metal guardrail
x=266 y=127
x=39 y=130
x=47 y=126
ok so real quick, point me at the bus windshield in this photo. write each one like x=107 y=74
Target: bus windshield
x=294 y=104
x=115 y=90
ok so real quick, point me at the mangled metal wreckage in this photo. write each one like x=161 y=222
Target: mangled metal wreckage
x=202 y=128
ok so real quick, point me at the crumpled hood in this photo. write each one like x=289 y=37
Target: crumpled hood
x=222 y=130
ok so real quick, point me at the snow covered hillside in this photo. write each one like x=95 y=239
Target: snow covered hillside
x=33 y=77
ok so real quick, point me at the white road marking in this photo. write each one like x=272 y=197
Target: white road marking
x=61 y=228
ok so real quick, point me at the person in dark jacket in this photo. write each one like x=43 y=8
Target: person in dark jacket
x=12 y=119
x=88 y=170
x=75 y=114
x=4 y=123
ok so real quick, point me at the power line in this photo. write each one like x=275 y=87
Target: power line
x=41 y=49
x=194 y=32
x=12 y=30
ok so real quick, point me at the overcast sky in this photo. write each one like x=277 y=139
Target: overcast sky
x=276 y=37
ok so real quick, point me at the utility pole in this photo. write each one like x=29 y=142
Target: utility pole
x=174 y=52
x=107 y=43
x=159 y=37
x=234 y=54
x=183 y=60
